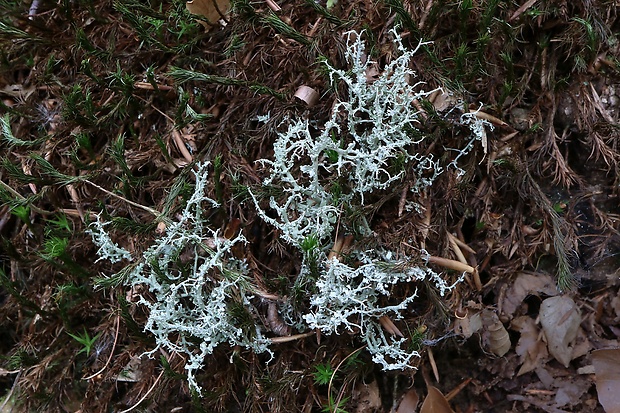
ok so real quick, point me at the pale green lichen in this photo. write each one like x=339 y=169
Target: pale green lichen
x=365 y=136
x=190 y=307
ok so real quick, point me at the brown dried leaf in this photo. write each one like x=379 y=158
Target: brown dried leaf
x=469 y=325
x=131 y=372
x=409 y=403
x=524 y=285
x=389 y=326
x=435 y=402
x=275 y=322
x=530 y=348
x=570 y=390
x=212 y=10
x=607 y=368
x=560 y=321
x=443 y=100
x=367 y=397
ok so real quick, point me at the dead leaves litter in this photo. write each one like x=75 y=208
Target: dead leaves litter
x=435 y=402
x=607 y=368
x=560 y=321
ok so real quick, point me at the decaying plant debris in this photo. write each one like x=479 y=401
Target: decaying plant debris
x=108 y=109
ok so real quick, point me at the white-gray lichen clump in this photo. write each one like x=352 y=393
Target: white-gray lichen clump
x=191 y=312
x=365 y=136
x=190 y=306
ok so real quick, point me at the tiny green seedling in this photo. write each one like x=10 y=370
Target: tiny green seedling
x=85 y=340
x=323 y=373
x=333 y=407
x=22 y=212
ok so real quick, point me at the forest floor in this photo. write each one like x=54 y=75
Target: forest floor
x=108 y=107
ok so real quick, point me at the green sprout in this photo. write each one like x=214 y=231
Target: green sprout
x=22 y=212
x=323 y=373
x=85 y=340
x=333 y=407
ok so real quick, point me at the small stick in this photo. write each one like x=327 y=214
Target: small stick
x=457 y=389
x=451 y=264
x=180 y=143
x=150 y=210
x=272 y=5
x=34 y=7
x=464 y=246
x=431 y=360
x=425 y=13
x=335 y=251
x=402 y=200
x=76 y=200
x=490 y=118
x=277 y=340
x=21 y=197
x=477 y=280
x=331 y=379
x=148 y=86
x=8 y=396
x=456 y=248
x=314 y=27
x=426 y=224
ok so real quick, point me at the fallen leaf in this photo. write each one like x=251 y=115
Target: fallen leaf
x=409 y=403
x=307 y=95
x=530 y=348
x=212 y=10
x=367 y=396
x=526 y=284
x=435 y=402
x=607 y=369
x=131 y=372
x=469 y=325
x=442 y=100
x=570 y=390
x=560 y=321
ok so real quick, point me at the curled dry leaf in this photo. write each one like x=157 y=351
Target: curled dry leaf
x=389 y=326
x=367 y=397
x=435 y=402
x=409 y=403
x=526 y=284
x=468 y=325
x=212 y=10
x=530 y=348
x=443 y=100
x=560 y=321
x=607 y=369
x=495 y=334
x=276 y=324
x=489 y=118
